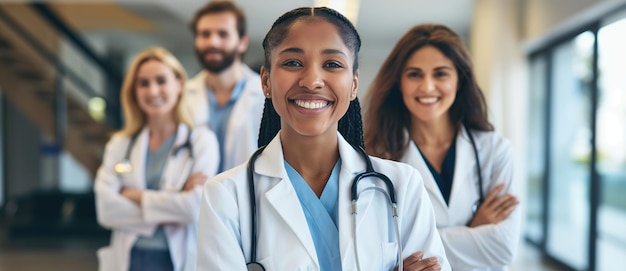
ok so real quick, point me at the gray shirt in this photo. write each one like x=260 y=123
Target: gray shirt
x=155 y=162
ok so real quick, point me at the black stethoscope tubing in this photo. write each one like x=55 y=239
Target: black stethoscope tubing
x=479 y=170
x=253 y=265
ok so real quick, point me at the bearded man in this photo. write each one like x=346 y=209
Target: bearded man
x=226 y=95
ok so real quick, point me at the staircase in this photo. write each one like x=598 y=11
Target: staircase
x=32 y=79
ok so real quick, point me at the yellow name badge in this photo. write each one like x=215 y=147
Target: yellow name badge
x=123 y=167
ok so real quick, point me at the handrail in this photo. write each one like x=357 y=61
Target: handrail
x=64 y=29
x=50 y=57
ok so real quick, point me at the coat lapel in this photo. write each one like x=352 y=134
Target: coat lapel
x=252 y=84
x=177 y=167
x=138 y=160
x=352 y=164
x=414 y=158
x=464 y=163
x=282 y=196
x=196 y=98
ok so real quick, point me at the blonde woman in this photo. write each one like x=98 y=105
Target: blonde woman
x=148 y=188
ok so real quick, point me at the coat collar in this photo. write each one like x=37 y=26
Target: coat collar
x=182 y=136
x=268 y=165
x=197 y=85
x=140 y=149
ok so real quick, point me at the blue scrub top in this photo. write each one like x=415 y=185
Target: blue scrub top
x=219 y=117
x=155 y=162
x=321 y=215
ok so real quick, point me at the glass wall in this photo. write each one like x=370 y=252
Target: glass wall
x=611 y=146
x=536 y=150
x=577 y=147
x=570 y=149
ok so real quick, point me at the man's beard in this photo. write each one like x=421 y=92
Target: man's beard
x=217 y=66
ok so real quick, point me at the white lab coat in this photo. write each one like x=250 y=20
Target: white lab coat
x=177 y=211
x=487 y=247
x=242 y=131
x=284 y=240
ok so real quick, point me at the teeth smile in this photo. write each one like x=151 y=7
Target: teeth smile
x=428 y=100
x=311 y=104
x=157 y=102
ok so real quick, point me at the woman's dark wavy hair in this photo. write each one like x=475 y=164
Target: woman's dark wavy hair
x=386 y=114
x=350 y=125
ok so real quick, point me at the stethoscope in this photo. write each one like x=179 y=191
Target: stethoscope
x=480 y=174
x=253 y=265
x=124 y=166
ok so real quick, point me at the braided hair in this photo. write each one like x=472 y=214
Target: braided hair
x=351 y=124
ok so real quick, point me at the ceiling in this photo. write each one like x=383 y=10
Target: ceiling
x=378 y=20
x=379 y=23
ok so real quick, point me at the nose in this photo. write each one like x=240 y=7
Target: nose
x=212 y=40
x=312 y=79
x=428 y=84
x=153 y=89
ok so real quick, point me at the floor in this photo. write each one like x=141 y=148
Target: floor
x=50 y=254
x=529 y=259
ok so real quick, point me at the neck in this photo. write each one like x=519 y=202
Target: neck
x=433 y=133
x=312 y=157
x=161 y=126
x=225 y=81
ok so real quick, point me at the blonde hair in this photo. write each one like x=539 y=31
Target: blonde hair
x=134 y=118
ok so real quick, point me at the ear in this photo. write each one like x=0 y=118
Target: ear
x=243 y=44
x=265 y=82
x=355 y=85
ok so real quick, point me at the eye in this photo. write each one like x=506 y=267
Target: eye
x=204 y=34
x=161 y=80
x=413 y=74
x=441 y=74
x=292 y=63
x=223 y=34
x=143 y=83
x=333 y=65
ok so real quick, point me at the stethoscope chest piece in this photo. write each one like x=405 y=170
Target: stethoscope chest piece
x=123 y=167
x=254 y=266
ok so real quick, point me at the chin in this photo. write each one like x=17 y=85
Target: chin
x=315 y=131
x=158 y=113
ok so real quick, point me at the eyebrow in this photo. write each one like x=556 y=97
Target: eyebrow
x=325 y=51
x=333 y=52
x=292 y=50
x=436 y=68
